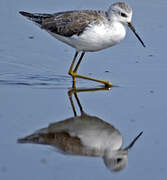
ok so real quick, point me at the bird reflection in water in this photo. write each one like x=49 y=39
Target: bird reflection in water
x=84 y=135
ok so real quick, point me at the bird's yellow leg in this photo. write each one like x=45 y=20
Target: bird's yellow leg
x=70 y=72
x=78 y=63
x=106 y=83
x=74 y=74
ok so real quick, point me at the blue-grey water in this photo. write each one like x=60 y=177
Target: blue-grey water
x=34 y=85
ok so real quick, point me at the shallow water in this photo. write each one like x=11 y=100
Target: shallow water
x=34 y=87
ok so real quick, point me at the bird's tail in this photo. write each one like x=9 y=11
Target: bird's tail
x=35 y=17
x=37 y=137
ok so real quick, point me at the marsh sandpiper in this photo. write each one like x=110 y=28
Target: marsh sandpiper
x=87 y=30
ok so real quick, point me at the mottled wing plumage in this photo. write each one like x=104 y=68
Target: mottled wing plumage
x=72 y=22
x=67 y=23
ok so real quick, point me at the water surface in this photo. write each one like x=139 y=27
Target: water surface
x=34 y=84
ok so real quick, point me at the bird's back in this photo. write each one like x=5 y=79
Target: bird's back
x=67 y=23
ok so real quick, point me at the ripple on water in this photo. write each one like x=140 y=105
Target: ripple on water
x=44 y=80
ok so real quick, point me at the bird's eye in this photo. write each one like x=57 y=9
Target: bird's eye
x=123 y=15
x=119 y=160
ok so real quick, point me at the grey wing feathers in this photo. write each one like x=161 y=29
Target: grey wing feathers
x=66 y=23
x=71 y=22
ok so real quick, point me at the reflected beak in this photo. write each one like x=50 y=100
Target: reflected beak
x=138 y=37
x=133 y=142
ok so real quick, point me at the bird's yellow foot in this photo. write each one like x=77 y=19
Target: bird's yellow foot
x=108 y=84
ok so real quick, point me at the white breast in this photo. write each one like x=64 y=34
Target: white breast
x=99 y=37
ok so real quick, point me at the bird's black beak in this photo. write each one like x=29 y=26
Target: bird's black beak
x=133 y=142
x=138 y=37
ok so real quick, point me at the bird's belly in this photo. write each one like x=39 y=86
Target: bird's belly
x=95 y=37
